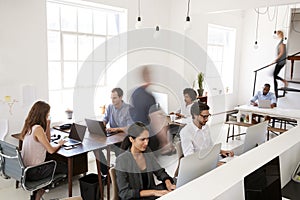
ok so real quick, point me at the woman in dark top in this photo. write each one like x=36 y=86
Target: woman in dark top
x=136 y=166
x=280 y=62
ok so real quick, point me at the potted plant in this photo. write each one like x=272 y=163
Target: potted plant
x=200 y=78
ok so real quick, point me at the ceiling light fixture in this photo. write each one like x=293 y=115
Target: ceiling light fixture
x=138 y=23
x=256 y=33
x=287 y=25
x=275 y=29
x=187 y=24
x=156 y=32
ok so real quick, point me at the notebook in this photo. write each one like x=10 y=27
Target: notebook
x=76 y=135
x=264 y=103
x=98 y=127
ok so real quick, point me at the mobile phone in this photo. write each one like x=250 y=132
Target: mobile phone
x=68 y=148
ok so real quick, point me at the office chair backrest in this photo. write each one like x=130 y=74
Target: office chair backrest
x=11 y=162
x=12 y=166
x=179 y=156
x=3 y=128
x=195 y=165
x=112 y=174
x=255 y=135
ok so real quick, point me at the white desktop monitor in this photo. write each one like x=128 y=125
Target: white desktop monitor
x=197 y=164
x=255 y=135
x=162 y=100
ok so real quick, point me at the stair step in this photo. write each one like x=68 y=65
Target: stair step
x=291 y=81
x=289 y=89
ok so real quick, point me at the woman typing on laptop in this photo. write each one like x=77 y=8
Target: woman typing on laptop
x=36 y=137
x=137 y=165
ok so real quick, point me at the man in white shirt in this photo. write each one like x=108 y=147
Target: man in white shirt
x=195 y=136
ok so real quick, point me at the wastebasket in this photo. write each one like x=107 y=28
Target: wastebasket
x=89 y=187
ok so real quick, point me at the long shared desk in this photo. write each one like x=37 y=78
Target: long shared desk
x=91 y=142
x=227 y=181
x=272 y=112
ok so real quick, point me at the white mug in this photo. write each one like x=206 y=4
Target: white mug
x=172 y=117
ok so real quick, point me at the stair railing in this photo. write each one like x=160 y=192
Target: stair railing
x=255 y=71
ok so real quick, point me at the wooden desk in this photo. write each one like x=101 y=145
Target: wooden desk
x=108 y=142
x=91 y=142
x=292 y=59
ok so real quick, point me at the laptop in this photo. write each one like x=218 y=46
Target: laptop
x=195 y=165
x=76 y=135
x=98 y=127
x=264 y=103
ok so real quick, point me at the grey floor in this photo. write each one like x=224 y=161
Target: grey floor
x=8 y=190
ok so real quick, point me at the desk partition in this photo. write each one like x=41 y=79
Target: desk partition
x=226 y=181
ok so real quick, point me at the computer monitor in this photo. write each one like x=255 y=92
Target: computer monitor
x=197 y=164
x=162 y=100
x=264 y=183
x=255 y=135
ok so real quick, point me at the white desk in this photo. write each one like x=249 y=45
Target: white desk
x=272 y=112
x=226 y=182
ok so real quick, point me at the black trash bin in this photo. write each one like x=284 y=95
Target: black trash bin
x=89 y=187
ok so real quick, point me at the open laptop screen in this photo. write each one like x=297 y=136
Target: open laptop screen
x=77 y=132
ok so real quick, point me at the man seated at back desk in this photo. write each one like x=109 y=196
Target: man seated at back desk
x=117 y=114
x=118 y=117
x=195 y=136
x=265 y=94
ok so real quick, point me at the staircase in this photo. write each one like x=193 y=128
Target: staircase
x=292 y=87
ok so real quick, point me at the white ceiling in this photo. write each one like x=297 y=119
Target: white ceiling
x=228 y=5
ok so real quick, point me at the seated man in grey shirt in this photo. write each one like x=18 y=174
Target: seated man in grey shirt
x=118 y=117
x=117 y=114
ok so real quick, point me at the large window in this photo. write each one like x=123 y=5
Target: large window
x=221 y=50
x=75 y=30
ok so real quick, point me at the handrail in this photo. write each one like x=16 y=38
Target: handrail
x=255 y=71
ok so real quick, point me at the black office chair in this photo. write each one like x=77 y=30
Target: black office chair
x=12 y=166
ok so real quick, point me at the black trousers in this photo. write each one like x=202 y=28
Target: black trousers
x=277 y=69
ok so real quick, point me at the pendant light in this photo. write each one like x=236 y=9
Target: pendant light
x=187 y=24
x=156 y=32
x=275 y=28
x=138 y=23
x=256 y=33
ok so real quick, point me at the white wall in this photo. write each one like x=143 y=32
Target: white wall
x=253 y=59
x=23 y=49
x=23 y=55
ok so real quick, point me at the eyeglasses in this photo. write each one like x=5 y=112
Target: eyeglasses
x=205 y=116
x=140 y=124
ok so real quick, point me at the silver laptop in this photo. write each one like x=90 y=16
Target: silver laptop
x=195 y=165
x=255 y=135
x=76 y=135
x=98 y=127
x=264 y=103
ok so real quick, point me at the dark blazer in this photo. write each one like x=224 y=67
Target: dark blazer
x=129 y=178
